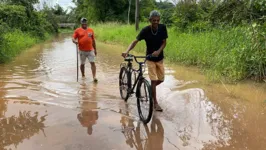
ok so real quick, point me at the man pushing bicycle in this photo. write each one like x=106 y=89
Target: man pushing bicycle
x=155 y=36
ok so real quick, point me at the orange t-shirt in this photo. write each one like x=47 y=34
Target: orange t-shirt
x=85 y=38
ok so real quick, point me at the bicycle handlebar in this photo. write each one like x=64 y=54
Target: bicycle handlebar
x=135 y=57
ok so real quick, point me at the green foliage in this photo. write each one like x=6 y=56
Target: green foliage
x=146 y=7
x=233 y=11
x=167 y=10
x=236 y=12
x=259 y=10
x=22 y=26
x=16 y=16
x=13 y=43
x=58 y=15
x=257 y=49
x=185 y=14
x=28 y=4
x=116 y=10
x=13 y=15
x=217 y=13
x=101 y=11
x=58 y=10
x=229 y=53
x=4 y=28
x=48 y=14
x=19 y=127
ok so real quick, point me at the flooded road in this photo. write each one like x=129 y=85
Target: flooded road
x=43 y=107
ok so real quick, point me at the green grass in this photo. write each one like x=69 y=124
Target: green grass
x=229 y=54
x=14 y=42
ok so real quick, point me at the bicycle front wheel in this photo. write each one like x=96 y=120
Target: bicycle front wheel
x=144 y=100
x=123 y=83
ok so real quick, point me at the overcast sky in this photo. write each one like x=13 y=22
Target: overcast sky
x=63 y=3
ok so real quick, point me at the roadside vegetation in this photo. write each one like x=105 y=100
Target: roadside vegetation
x=22 y=25
x=226 y=39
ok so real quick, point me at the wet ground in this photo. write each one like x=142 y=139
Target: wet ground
x=43 y=107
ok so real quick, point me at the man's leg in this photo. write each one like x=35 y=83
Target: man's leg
x=152 y=75
x=158 y=82
x=93 y=69
x=82 y=61
x=91 y=58
x=160 y=76
x=153 y=87
x=82 y=69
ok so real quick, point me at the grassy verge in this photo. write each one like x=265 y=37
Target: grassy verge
x=16 y=41
x=230 y=54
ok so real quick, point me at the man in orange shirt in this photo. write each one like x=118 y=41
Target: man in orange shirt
x=84 y=37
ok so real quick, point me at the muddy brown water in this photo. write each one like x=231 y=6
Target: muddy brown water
x=43 y=107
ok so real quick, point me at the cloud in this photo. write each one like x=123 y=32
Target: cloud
x=63 y=3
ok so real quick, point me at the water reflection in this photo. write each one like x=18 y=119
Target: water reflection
x=197 y=120
x=3 y=108
x=3 y=105
x=14 y=129
x=156 y=135
x=143 y=137
x=127 y=128
x=89 y=115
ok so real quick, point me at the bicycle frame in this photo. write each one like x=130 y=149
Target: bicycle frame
x=140 y=76
x=140 y=73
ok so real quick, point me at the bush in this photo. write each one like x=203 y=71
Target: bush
x=21 y=26
x=13 y=43
x=13 y=15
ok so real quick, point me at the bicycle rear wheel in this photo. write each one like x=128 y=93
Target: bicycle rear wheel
x=123 y=83
x=144 y=100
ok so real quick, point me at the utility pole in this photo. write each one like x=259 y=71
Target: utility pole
x=128 y=14
x=137 y=15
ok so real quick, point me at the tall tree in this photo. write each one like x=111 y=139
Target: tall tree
x=104 y=10
x=146 y=6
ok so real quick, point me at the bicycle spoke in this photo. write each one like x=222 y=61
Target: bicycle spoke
x=144 y=100
x=123 y=83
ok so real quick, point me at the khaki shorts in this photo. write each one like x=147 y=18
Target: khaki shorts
x=155 y=70
x=87 y=54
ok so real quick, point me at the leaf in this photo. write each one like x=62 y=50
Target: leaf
x=254 y=25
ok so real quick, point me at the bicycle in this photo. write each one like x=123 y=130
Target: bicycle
x=143 y=88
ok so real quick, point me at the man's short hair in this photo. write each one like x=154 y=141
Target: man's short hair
x=154 y=13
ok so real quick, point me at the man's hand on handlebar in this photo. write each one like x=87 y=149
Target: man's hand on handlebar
x=125 y=54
